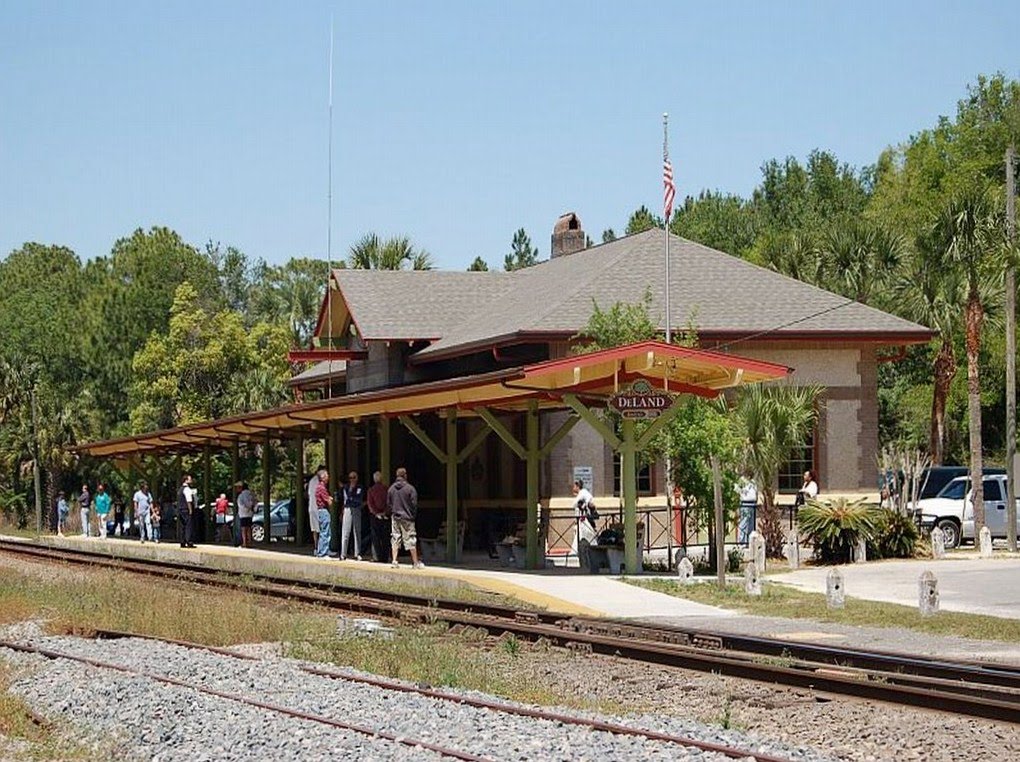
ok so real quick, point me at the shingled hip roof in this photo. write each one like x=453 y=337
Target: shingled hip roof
x=722 y=295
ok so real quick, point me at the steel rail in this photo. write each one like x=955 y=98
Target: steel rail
x=320 y=719
x=473 y=701
x=889 y=686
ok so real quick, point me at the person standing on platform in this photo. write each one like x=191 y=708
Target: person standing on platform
x=245 y=512
x=748 y=508
x=62 y=512
x=585 y=515
x=142 y=503
x=102 y=509
x=84 y=501
x=402 y=502
x=185 y=512
x=313 y=509
x=221 y=505
x=155 y=521
x=379 y=517
x=323 y=500
x=354 y=504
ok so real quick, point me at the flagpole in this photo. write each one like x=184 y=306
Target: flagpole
x=665 y=158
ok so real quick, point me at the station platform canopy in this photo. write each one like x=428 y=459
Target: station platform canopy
x=551 y=385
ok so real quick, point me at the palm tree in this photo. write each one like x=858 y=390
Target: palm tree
x=396 y=253
x=967 y=232
x=930 y=292
x=858 y=257
x=793 y=254
x=773 y=420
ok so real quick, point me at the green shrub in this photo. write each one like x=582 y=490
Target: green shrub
x=896 y=536
x=835 y=526
x=734 y=559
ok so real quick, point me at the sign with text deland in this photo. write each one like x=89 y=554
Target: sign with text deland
x=641 y=401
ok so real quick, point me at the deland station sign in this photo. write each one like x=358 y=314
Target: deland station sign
x=641 y=401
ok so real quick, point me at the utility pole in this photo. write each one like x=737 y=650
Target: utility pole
x=36 y=476
x=1010 y=354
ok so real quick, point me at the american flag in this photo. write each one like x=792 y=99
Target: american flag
x=668 y=188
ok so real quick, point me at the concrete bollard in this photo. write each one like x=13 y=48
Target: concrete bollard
x=861 y=551
x=685 y=570
x=834 y=589
x=938 y=543
x=793 y=548
x=927 y=593
x=752 y=582
x=756 y=544
x=986 y=542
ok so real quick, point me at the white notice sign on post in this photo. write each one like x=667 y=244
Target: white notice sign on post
x=585 y=474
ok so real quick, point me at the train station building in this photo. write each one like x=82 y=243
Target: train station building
x=471 y=381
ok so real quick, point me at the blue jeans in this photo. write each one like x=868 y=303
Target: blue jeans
x=747 y=522
x=324 y=537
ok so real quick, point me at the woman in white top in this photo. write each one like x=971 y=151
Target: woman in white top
x=809 y=489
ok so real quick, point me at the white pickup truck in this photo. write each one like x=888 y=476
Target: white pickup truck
x=953 y=512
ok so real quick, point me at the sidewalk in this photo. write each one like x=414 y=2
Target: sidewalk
x=966 y=583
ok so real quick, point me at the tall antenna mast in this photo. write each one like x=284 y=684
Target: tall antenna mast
x=329 y=223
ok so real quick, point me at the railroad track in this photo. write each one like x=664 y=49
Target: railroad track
x=385 y=684
x=986 y=690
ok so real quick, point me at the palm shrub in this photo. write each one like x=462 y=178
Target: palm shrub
x=836 y=526
x=896 y=536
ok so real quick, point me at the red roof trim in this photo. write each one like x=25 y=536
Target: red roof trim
x=660 y=347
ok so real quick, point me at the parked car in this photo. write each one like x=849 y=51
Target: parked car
x=934 y=478
x=282 y=521
x=952 y=510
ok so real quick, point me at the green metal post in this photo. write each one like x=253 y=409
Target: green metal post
x=533 y=454
x=452 y=549
x=299 y=490
x=235 y=477
x=385 y=463
x=335 y=482
x=206 y=497
x=266 y=495
x=628 y=458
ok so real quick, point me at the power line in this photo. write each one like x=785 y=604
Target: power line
x=768 y=331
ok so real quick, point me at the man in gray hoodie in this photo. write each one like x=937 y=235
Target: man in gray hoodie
x=402 y=502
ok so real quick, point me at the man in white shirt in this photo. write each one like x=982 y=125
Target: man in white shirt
x=186 y=512
x=245 y=512
x=313 y=509
x=142 y=502
x=748 y=508
x=585 y=534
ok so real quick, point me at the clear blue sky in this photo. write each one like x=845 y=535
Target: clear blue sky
x=455 y=122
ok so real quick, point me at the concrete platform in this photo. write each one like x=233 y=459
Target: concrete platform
x=568 y=591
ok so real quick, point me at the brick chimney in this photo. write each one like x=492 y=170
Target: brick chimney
x=567 y=236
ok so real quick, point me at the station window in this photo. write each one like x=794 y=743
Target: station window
x=645 y=478
x=791 y=473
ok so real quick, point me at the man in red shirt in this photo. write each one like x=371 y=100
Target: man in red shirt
x=380 y=521
x=323 y=500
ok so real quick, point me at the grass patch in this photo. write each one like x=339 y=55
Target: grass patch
x=782 y=601
x=424 y=655
x=85 y=600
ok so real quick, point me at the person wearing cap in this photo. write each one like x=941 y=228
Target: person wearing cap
x=185 y=512
x=323 y=500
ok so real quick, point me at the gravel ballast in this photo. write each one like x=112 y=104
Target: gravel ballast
x=157 y=721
